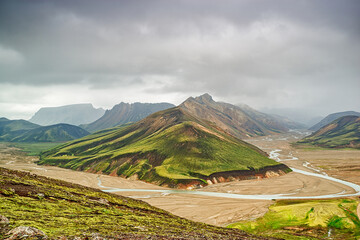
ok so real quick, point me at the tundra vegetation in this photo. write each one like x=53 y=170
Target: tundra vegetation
x=63 y=209
x=304 y=219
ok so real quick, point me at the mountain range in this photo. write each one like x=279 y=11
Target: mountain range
x=170 y=148
x=124 y=113
x=74 y=114
x=343 y=132
x=331 y=117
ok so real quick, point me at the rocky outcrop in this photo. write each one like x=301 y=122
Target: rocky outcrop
x=4 y=224
x=25 y=232
x=125 y=113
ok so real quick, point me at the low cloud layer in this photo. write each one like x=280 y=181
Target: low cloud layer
x=271 y=55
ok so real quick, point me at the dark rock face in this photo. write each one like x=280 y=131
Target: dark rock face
x=123 y=113
x=24 y=232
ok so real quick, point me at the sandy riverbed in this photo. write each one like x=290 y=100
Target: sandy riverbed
x=212 y=210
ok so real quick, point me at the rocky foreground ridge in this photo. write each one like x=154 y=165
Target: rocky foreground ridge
x=35 y=207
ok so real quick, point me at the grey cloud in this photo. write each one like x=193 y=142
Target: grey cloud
x=259 y=52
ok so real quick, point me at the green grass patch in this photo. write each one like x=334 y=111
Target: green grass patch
x=34 y=149
x=307 y=219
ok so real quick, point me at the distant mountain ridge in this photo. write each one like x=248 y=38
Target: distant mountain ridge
x=170 y=148
x=343 y=132
x=240 y=121
x=13 y=128
x=25 y=131
x=331 y=117
x=124 y=113
x=74 y=114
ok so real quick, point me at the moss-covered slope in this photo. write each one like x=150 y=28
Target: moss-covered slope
x=12 y=128
x=341 y=133
x=59 y=209
x=168 y=147
x=307 y=219
x=54 y=133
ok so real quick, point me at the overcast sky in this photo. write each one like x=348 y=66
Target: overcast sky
x=283 y=56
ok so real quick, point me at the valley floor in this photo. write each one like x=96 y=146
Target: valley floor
x=218 y=210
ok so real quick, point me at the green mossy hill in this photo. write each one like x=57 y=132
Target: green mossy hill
x=62 y=209
x=166 y=148
x=341 y=133
x=307 y=219
x=25 y=131
x=332 y=117
x=54 y=133
x=12 y=128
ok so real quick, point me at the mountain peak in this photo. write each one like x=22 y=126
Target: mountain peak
x=205 y=98
x=239 y=122
x=202 y=99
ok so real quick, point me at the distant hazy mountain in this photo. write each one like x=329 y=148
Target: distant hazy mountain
x=124 y=113
x=75 y=114
x=340 y=133
x=288 y=122
x=331 y=118
x=239 y=121
x=314 y=121
x=12 y=128
x=54 y=133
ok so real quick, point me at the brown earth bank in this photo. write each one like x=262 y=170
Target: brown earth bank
x=236 y=175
